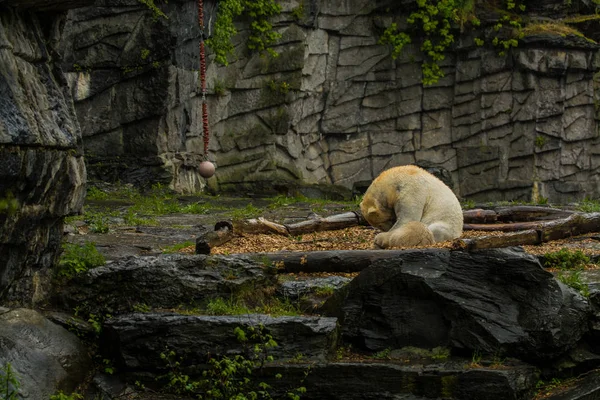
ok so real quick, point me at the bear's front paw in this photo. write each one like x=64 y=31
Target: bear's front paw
x=382 y=240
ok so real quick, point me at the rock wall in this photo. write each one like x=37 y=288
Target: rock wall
x=42 y=173
x=334 y=107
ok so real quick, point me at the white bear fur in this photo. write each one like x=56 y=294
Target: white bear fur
x=412 y=208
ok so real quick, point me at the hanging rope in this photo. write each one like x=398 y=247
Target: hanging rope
x=203 y=77
x=206 y=168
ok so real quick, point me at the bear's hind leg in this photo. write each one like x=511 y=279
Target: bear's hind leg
x=442 y=231
x=411 y=234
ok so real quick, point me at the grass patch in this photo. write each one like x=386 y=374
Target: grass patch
x=250 y=211
x=552 y=27
x=589 y=205
x=246 y=304
x=77 y=258
x=176 y=247
x=569 y=264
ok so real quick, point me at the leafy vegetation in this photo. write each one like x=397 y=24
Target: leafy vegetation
x=229 y=377
x=566 y=259
x=589 y=205
x=570 y=264
x=261 y=35
x=77 y=258
x=8 y=204
x=439 y=22
x=62 y=396
x=157 y=12
x=9 y=383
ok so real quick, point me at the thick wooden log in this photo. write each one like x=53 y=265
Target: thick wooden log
x=577 y=224
x=517 y=226
x=313 y=224
x=514 y=214
x=530 y=213
x=325 y=261
x=333 y=222
x=479 y=216
x=222 y=234
x=527 y=237
x=259 y=225
x=539 y=232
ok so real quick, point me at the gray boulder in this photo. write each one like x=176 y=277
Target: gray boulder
x=45 y=357
x=497 y=301
x=164 y=281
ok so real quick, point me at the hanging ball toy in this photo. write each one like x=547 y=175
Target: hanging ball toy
x=206 y=169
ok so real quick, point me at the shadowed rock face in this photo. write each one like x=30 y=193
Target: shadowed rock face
x=42 y=174
x=496 y=301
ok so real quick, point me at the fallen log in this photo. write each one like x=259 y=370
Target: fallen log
x=538 y=232
x=514 y=214
x=331 y=261
x=530 y=213
x=314 y=224
x=222 y=234
x=528 y=237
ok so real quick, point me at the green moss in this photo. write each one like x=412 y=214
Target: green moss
x=9 y=204
x=449 y=384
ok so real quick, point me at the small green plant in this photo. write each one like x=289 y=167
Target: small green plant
x=573 y=279
x=9 y=383
x=231 y=306
x=383 y=354
x=141 y=307
x=176 y=247
x=96 y=323
x=324 y=290
x=298 y=12
x=78 y=258
x=570 y=264
x=589 y=205
x=219 y=87
x=544 y=388
x=108 y=366
x=196 y=208
x=279 y=87
x=144 y=53
x=440 y=353
x=97 y=222
x=540 y=141
x=156 y=12
x=468 y=204
x=475 y=360
x=62 y=396
x=8 y=204
x=250 y=211
x=565 y=259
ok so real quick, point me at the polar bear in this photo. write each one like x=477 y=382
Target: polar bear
x=412 y=208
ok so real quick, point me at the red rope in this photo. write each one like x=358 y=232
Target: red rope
x=203 y=77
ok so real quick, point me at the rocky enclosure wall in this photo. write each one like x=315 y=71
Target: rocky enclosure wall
x=42 y=173
x=334 y=107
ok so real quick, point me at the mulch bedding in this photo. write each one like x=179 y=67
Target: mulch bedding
x=361 y=238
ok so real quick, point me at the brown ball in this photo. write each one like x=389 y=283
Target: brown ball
x=207 y=169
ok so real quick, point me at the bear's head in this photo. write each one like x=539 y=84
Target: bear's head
x=376 y=214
